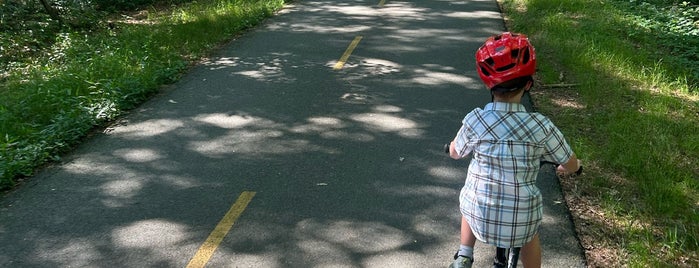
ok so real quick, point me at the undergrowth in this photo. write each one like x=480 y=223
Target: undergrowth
x=56 y=86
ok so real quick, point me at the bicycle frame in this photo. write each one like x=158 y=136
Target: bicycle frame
x=506 y=257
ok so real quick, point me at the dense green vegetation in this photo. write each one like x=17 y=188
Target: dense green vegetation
x=61 y=77
x=631 y=111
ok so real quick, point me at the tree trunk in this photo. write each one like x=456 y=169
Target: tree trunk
x=50 y=10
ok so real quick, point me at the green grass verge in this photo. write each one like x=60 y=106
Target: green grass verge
x=50 y=101
x=633 y=115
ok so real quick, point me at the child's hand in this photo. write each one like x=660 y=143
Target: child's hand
x=562 y=172
x=451 y=150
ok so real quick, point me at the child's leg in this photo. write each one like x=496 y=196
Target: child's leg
x=464 y=257
x=468 y=240
x=531 y=253
x=467 y=237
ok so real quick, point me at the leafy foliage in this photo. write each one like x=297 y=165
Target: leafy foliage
x=672 y=27
x=59 y=81
x=121 y=5
x=23 y=31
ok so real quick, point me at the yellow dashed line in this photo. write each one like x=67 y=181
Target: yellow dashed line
x=209 y=247
x=347 y=53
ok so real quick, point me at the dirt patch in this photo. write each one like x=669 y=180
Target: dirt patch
x=591 y=225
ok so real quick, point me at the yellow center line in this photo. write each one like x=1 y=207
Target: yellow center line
x=209 y=247
x=347 y=53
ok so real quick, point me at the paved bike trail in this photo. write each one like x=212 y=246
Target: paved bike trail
x=345 y=166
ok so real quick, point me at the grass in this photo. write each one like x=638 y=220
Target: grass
x=632 y=114
x=53 y=98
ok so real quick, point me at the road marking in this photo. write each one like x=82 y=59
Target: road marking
x=209 y=247
x=348 y=52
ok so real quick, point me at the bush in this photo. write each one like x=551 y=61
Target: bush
x=113 y=5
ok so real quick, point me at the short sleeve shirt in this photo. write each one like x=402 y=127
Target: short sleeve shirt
x=499 y=199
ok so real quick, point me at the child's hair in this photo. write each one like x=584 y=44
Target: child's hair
x=511 y=88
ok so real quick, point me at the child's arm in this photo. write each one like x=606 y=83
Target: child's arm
x=570 y=167
x=458 y=148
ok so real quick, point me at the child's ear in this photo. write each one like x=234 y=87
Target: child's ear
x=529 y=85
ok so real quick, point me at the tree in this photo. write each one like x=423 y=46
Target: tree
x=50 y=10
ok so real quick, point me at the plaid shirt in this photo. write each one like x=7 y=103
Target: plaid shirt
x=500 y=200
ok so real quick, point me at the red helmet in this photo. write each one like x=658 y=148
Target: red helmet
x=505 y=57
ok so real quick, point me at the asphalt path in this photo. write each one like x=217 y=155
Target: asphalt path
x=311 y=165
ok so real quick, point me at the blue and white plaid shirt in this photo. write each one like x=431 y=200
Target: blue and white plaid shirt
x=500 y=200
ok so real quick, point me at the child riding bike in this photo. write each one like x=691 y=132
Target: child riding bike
x=500 y=203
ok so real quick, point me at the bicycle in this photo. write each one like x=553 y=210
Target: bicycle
x=508 y=257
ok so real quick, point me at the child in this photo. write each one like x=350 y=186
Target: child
x=500 y=204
